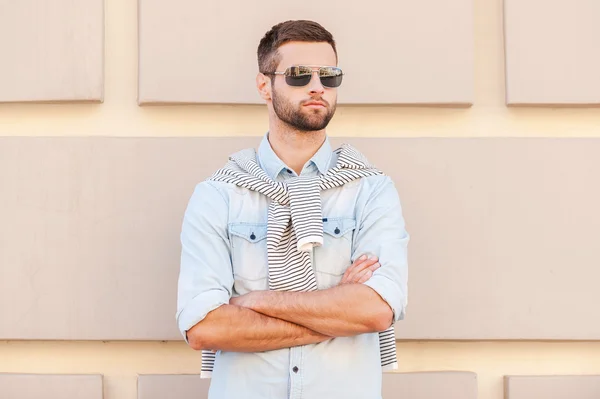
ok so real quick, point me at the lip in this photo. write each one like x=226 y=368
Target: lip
x=315 y=104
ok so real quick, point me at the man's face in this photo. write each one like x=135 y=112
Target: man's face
x=295 y=105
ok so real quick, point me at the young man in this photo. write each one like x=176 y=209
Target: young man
x=294 y=256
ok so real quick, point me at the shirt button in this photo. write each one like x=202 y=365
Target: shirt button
x=337 y=230
x=289 y=171
x=295 y=369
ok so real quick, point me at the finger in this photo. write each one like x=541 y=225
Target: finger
x=363 y=276
x=371 y=268
x=358 y=261
x=360 y=266
x=366 y=274
x=350 y=268
x=375 y=266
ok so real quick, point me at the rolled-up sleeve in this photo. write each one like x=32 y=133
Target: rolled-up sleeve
x=205 y=276
x=382 y=232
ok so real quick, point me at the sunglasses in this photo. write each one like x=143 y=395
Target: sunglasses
x=300 y=75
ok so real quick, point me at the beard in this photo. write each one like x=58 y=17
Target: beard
x=308 y=120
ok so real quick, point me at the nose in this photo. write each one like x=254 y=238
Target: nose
x=315 y=85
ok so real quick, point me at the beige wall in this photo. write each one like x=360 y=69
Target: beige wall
x=51 y=51
x=121 y=116
x=120 y=362
x=556 y=62
x=392 y=69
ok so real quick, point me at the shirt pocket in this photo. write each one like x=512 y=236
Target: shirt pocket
x=249 y=255
x=334 y=256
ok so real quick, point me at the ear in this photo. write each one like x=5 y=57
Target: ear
x=263 y=85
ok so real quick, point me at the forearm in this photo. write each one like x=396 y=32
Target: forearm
x=344 y=310
x=238 y=329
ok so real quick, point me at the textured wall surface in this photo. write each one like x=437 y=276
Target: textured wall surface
x=394 y=52
x=552 y=387
x=52 y=51
x=48 y=386
x=552 y=51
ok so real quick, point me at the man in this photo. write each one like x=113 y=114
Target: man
x=294 y=341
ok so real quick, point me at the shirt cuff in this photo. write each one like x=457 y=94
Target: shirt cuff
x=196 y=310
x=388 y=290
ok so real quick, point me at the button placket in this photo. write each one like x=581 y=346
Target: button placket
x=295 y=373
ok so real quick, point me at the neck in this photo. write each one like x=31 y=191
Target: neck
x=295 y=147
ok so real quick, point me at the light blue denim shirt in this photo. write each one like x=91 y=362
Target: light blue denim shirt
x=220 y=260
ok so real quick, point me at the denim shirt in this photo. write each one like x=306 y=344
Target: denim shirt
x=224 y=254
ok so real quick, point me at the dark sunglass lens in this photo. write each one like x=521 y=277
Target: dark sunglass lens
x=331 y=81
x=298 y=75
x=331 y=77
x=301 y=80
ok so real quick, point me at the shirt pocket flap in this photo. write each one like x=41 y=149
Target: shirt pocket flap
x=337 y=227
x=248 y=231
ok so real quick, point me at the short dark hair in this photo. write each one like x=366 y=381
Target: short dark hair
x=288 y=31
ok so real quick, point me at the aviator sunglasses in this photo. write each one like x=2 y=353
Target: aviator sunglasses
x=300 y=75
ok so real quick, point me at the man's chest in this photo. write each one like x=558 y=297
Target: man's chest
x=248 y=227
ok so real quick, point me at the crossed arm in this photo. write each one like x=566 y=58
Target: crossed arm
x=269 y=320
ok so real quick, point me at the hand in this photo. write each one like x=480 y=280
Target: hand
x=361 y=270
x=244 y=301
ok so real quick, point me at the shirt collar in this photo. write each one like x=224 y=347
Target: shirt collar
x=272 y=165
